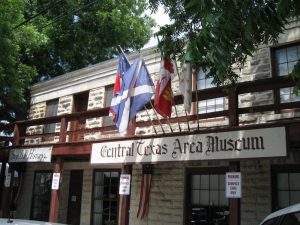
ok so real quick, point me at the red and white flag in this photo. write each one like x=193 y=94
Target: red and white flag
x=145 y=191
x=163 y=95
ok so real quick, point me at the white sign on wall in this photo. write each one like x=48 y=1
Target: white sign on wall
x=7 y=180
x=55 y=181
x=257 y=143
x=40 y=154
x=125 y=184
x=233 y=185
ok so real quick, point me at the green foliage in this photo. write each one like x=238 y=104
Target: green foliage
x=296 y=77
x=222 y=33
x=40 y=39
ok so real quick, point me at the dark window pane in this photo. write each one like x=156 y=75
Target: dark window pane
x=105 y=197
x=285 y=61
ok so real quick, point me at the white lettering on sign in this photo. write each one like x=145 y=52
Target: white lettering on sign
x=42 y=154
x=258 y=143
x=233 y=185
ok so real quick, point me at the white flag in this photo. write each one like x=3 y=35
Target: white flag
x=185 y=85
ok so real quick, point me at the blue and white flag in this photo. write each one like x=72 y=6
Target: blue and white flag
x=123 y=66
x=136 y=91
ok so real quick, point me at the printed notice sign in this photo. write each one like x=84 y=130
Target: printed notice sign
x=55 y=181
x=7 y=180
x=125 y=184
x=233 y=185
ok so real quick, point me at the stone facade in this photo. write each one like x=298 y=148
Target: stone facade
x=36 y=111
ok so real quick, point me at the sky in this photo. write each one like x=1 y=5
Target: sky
x=161 y=19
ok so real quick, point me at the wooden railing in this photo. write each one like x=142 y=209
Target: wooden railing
x=232 y=113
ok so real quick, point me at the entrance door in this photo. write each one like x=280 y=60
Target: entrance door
x=74 y=202
x=206 y=202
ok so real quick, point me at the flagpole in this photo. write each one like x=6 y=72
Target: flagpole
x=197 y=103
x=157 y=117
x=161 y=58
x=150 y=120
x=120 y=50
x=176 y=66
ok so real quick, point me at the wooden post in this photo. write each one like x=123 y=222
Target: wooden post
x=234 y=203
x=63 y=130
x=233 y=105
x=53 y=214
x=124 y=203
x=2 y=179
x=16 y=135
x=7 y=194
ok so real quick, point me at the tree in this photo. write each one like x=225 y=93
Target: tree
x=41 y=39
x=220 y=33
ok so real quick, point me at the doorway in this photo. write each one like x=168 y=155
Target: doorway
x=75 y=195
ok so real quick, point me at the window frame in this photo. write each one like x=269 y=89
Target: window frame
x=274 y=72
x=50 y=128
x=33 y=195
x=188 y=185
x=106 y=104
x=93 y=190
x=195 y=108
x=276 y=169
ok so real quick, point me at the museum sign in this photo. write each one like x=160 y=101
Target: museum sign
x=242 y=144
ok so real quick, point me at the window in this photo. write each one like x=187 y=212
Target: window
x=285 y=60
x=40 y=206
x=109 y=90
x=206 y=200
x=210 y=105
x=51 y=110
x=286 y=186
x=80 y=105
x=105 y=199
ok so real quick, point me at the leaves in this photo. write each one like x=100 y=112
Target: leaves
x=222 y=33
x=41 y=39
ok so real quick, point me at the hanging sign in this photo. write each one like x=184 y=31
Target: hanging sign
x=241 y=144
x=40 y=154
x=125 y=184
x=55 y=181
x=233 y=185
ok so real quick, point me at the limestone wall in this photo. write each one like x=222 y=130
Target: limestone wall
x=36 y=111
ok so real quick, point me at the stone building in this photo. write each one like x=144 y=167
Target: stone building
x=231 y=160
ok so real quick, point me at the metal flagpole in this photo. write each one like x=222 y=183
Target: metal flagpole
x=197 y=104
x=150 y=120
x=120 y=50
x=176 y=66
x=157 y=117
x=173 y=102
x=161 y=58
